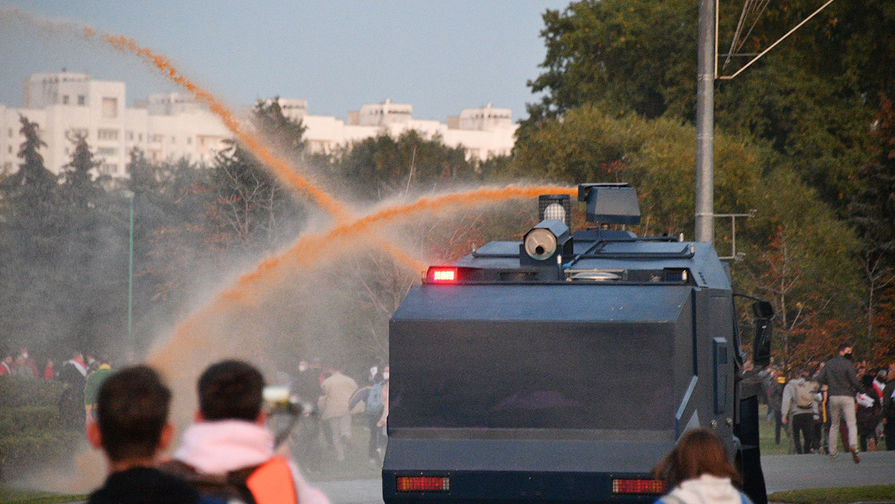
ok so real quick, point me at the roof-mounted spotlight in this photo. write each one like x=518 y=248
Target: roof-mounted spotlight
x=610 y=203
x=555 y=207
x=546 y=244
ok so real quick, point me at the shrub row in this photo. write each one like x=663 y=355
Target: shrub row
x=31 y=433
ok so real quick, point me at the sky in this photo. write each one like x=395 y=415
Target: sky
x=440 y=56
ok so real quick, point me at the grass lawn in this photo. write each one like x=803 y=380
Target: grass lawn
x=10 y=496
x=875 y=493
x=766 y=433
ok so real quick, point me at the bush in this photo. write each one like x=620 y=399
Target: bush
x=36 y=448
x=31 y=431
x=25 y=419
x=17 y=391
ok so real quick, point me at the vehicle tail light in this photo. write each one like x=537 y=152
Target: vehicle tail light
x=423 y=483
x=440 y=274
x=638 y=486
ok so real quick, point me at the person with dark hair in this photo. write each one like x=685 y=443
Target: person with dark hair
x=228 y=454
x=840 y=377
x=889 y=410
x=132 y=428
x=698 y=471
x=71 y=404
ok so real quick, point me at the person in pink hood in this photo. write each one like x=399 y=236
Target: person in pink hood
x=228 y=453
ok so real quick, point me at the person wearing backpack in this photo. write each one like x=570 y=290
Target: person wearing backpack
x=799 y=397
x=373 y=411
x=228 y=454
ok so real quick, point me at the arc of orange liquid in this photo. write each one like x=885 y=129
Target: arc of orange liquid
x=256 y=145
x=312 y=248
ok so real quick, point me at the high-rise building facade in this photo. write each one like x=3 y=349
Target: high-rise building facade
x=174 y=125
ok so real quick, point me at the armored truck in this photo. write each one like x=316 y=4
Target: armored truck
x=563 y=368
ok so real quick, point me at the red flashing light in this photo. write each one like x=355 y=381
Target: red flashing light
x=638 y=486
x=442 y=275
x=423 y=484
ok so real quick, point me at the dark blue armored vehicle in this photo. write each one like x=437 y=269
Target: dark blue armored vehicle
x=563 y=368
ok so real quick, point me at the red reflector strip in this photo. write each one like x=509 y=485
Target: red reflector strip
x=638 y=486
x=423 y=484
x=442 y=274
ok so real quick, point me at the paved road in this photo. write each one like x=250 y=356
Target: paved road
x=782 y=472
x=791 y=472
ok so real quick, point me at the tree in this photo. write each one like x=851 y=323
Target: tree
x=79 y=188
x=627 y=55
x=384 y=166
x=269 y=119
x=252 y=206
x=812 y=98
x=872 y=213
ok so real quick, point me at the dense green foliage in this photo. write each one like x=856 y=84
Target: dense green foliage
x=31 y=432
x=792 y=135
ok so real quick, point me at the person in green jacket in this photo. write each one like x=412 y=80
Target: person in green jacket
x=91 y=387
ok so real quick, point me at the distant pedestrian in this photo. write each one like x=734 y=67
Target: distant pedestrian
x=775 y=403
x=337 y=390
x=49 y=370
x=93 y=382
x=697 y=471
x=132 y=429
x=6 y=364
x=839 y=375
x=889 y=411
x=868 y=414
x=73 y=373
x=798 y=406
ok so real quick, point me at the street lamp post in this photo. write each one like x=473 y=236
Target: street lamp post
x=130 y=273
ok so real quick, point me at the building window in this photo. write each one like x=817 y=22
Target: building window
x=157 y=138
x=189 y=140
x=82 y=100
x=130 y=135
x=10 y=132
x=173 y=140
x=9 y=149
x=107 y=134
x=110 y=108
x=107 y=151
x=140 y=137
x=65 y=99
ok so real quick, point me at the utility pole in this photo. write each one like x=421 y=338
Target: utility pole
x=705 y=122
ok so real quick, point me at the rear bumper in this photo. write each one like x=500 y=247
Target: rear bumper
x=520 y=471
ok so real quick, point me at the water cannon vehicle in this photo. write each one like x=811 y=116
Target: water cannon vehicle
x=562 y=369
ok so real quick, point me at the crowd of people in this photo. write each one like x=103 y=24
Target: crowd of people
x=229 y=453
x=823 y=402
x=82 y=373
x=338 y=399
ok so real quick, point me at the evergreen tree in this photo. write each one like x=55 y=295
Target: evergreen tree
x=79 y=187
x=872 y=213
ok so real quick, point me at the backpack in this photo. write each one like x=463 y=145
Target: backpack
x=805 y=395
x=373 y=405
x=261 y=484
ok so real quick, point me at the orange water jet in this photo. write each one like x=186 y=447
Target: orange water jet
x=310 y=249
x=282 y=169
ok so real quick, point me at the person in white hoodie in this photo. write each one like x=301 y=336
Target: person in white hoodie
x=228 y=454
x=698 y=471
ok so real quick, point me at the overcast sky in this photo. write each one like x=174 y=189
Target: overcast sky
x=438 y=55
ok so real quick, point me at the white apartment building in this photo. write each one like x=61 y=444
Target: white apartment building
x=166 y=126
x=174 y=125
x=482 y=132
